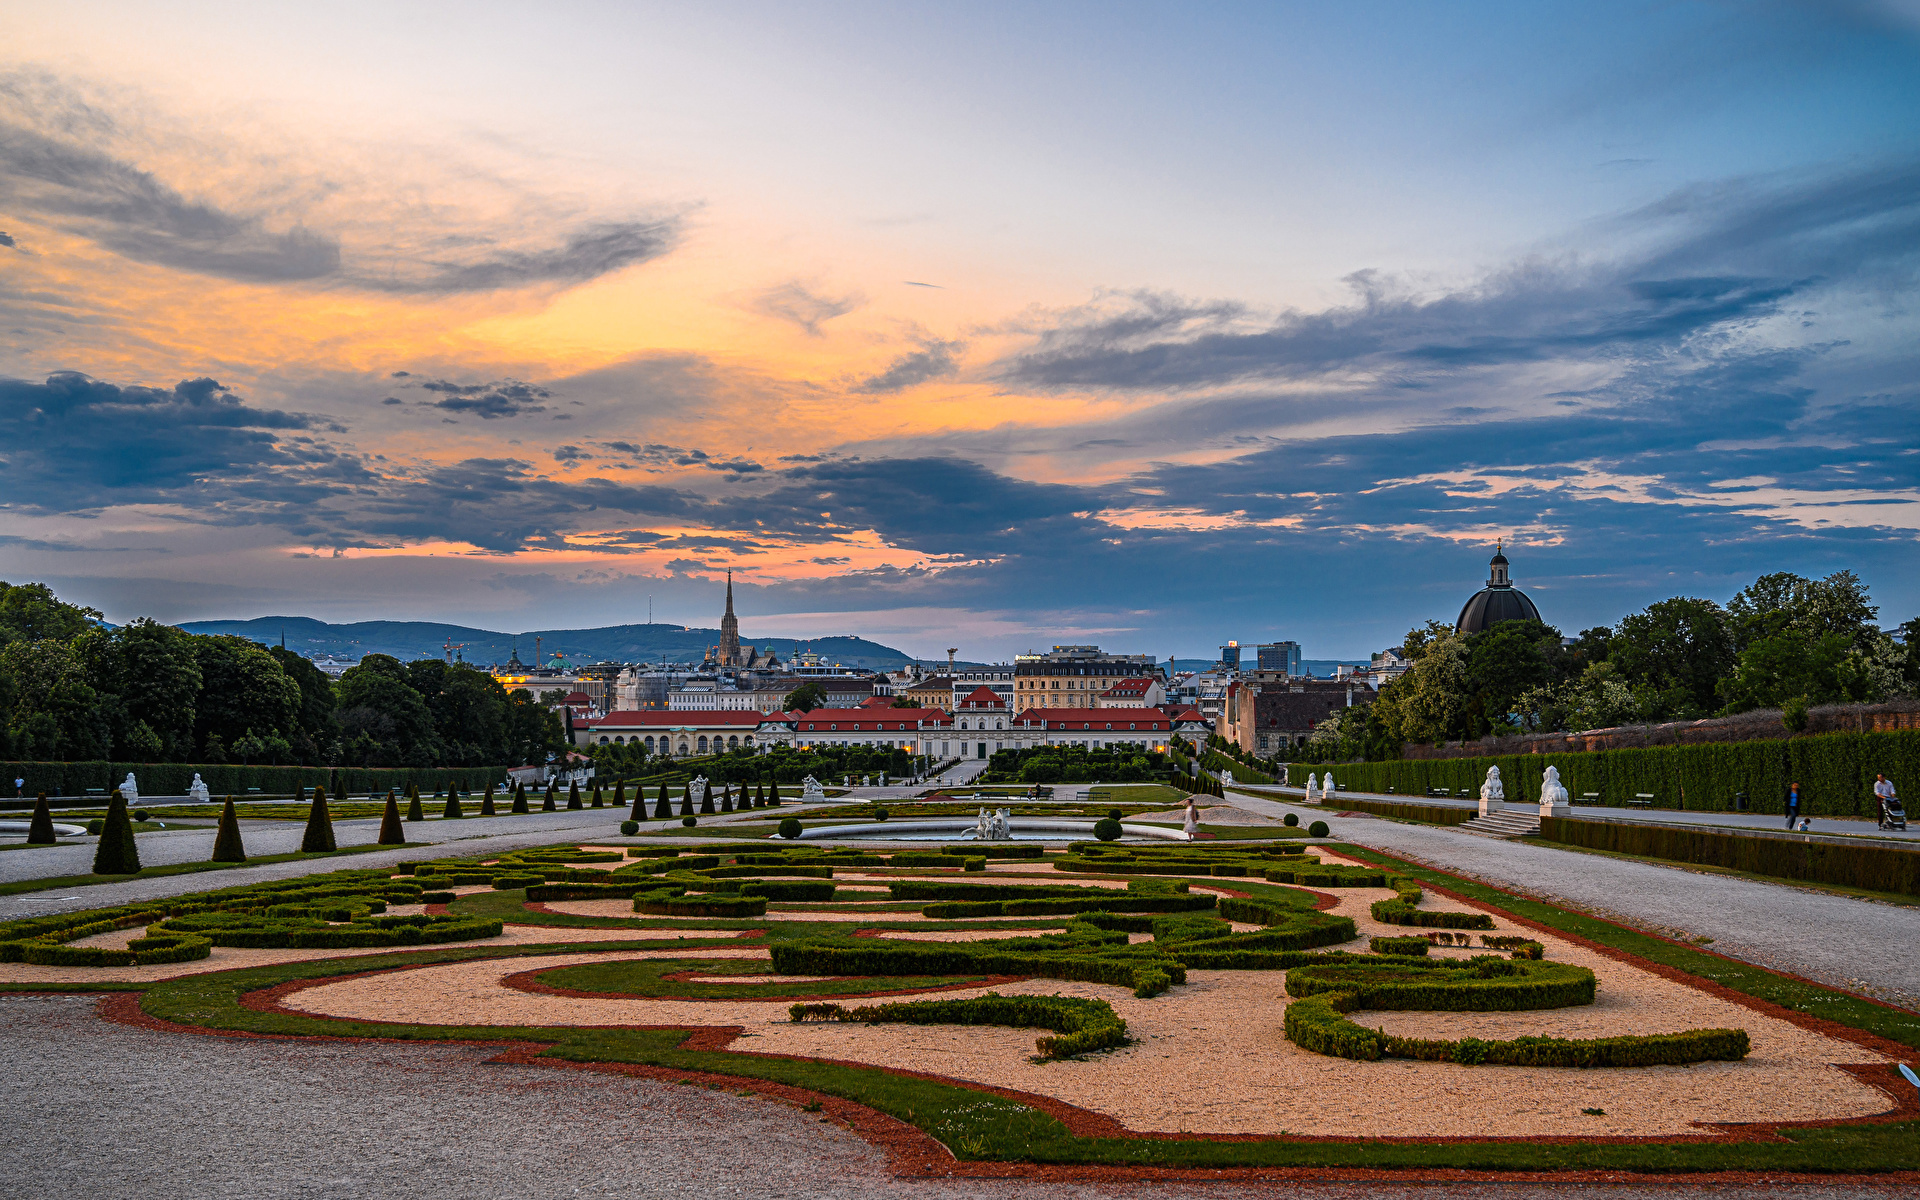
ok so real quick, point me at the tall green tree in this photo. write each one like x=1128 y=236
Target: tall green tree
x=243 y=692
x=1672 y=655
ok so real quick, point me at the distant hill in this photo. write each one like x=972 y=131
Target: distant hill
x=408 y=640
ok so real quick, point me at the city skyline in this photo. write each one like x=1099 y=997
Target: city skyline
x=1129 y=325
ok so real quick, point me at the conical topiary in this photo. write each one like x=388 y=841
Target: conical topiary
x=318 y=838
x=453 y=811
x=726 y=799
x=706 y=801
x=390 y=832
x=227 y=846
x=573 y=796
x=414 y=812
x=548 y=805
x=662 y=808
x=620 y=796
x=686 y=799
x=486 y=803
x=519 y=797
x=598 y=800
x=117 y=854
x=40 y=830
x=773 y=795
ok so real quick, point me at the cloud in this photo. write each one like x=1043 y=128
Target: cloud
x=489 y=401
x=7 y=240
x=75 y=165
x=934 y=360
x=658 y=456
x=798 y=304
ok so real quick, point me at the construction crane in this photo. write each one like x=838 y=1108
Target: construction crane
x=451 y=647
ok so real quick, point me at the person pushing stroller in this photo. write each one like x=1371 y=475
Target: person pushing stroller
x=1892 y=816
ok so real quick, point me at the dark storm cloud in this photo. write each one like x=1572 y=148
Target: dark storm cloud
x=70 y=164
x=657 y=456
x=934 y=359
x=489 y=401
x=800 y=305
x=7 y=240
x=1730 y=255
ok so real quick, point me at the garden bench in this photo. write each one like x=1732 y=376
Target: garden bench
x=1588 y=798
x=1641 y=800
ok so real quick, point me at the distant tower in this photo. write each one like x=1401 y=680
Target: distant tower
x=729 y=631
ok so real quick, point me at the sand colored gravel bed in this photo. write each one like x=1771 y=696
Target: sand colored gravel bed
x=1211 y=1057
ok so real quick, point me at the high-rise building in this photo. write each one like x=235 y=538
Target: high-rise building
x=1230 y=656
x=1279 y=656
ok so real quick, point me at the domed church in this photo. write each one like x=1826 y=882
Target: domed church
x=1498 y=601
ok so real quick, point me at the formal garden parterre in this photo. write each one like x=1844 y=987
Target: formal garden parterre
x=1235 y=1006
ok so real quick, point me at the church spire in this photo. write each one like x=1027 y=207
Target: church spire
x=729 y=593
x=729 y=631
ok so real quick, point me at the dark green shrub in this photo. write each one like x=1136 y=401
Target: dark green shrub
x=1107 y=829
x=453 y=811
x=1873 y=868
x=790 y=828
x=1399 y=945
x=663 y=808
x=414 y=810
x=390 y=832
x=689 y=820
x=318 y=838
x=573 y=796
x=116 y=854
x=1079 y=1025
x=519 y=804
x=629 y=828
x=789 y=889
x=1317 y=829
x=1399 y=912
x=1291 y=820
x=40 y=829
x=486 y=802
x=139 y=814
x=227 y=846
x=973 y=864
x=879 y=814
x=95 y=826
x=660 y=904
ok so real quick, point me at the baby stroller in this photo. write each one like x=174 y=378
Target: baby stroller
x=1892 y=816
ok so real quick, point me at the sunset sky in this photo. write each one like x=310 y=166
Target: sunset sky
x=977 y=325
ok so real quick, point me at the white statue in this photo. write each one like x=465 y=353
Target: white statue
x=1190 y=821
x=810 y=789
x=1226 y=779
x=1554 y=801
x=198 y=790
x=982 y=829
x=128 y=789
x=1003 y=825
x=1313 y=789
x=698 y=788
x=1493 y=793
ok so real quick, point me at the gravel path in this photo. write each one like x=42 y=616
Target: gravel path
x=101 y=1111
x=1859 y=945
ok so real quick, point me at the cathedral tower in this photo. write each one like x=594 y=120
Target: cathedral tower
x=729 y=631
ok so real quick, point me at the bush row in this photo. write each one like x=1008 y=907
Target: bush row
x=1079 y=1025
x=173 y=779
x=1432 y=814
x=1875 y=868
x=1835 y=771
x=1399 y=912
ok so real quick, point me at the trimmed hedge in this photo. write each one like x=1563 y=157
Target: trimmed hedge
x=790 y=890
x=1079 y=1025
x=663 y=905
x=1326 y=876
x=1399 y=912
x=241 y=929
x=1117 y=967
x=915 y=858
x=1431 y=814
x=1132 y=902
x=996 y=850
x=1399 y=945
x=1835 y=770
x=173 y=779
x=1874 y=868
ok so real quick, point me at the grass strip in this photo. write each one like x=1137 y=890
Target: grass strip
x=192 y=868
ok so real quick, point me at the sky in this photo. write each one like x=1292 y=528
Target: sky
x=989 y=326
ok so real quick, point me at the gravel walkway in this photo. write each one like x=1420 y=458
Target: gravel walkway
x=101 y=1111
x=1859 y=945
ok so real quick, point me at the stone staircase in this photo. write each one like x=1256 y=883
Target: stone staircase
x=1508 y=823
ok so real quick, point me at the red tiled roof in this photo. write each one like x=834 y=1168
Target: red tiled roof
x=577 y=699
x=867 y=720
x=1094 y=720
x=983 y=697
x=1132 y=685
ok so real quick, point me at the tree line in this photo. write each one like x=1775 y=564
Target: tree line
x=1784 y=642
x=74 y=689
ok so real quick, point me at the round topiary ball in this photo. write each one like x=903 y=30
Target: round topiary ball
x=1317 y=829
x=95 y=826
x=879 y=814
x=689 y=820
x=1113 y=814
x=1290 y=820
x=629 y=828
x=139 y=814
x=1107 y=829
x=790 y=828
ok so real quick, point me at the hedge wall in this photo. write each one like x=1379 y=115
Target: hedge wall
x=173 y=779
x=1835 y=771
x=1432 y=814
x=1875 y=868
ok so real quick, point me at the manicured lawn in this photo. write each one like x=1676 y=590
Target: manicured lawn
x=67 y=881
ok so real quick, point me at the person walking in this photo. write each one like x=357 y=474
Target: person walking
x=1793 y=804
x=1883 y=795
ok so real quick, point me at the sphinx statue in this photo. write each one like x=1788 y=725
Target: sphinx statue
x=1554 y=800
x=1493 y=793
